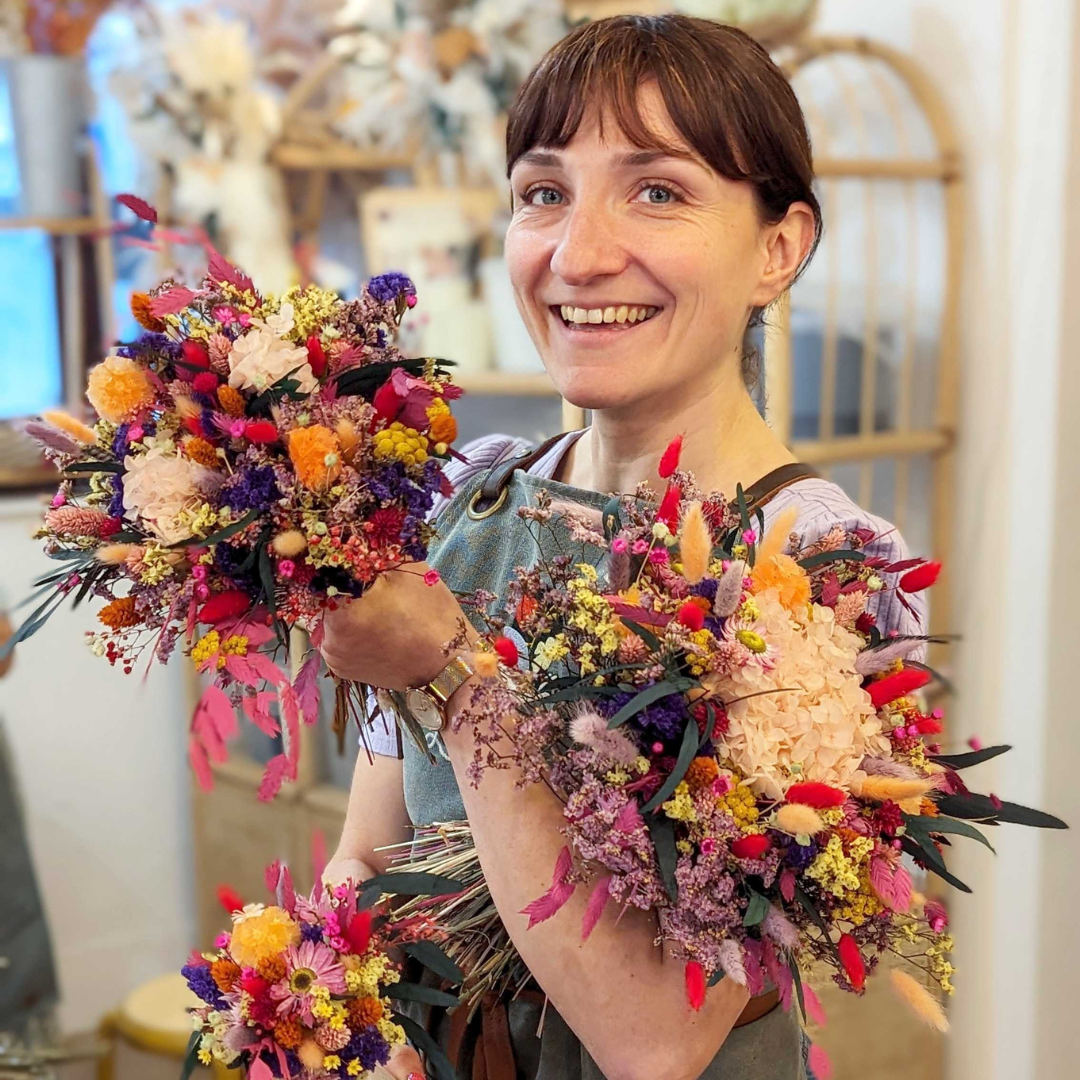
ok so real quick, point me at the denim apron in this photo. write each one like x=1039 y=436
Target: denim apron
x=483 y=554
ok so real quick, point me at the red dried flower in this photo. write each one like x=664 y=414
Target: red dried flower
x=386 y=525
x=751 y=847
x=206 y=382
x=691 y=616
x=526 y=606
x=359 y=932
x=669 y=460
x=695 y=984
x=896 y=686
x=922 y=577
x=506 y=650
x=668 y=512
x=819 y=796
x=852 y=960
x=229 y=899
x=230 y=604
x=261 y=431
x=196 y=354
x=888 y=818
x=316 y=356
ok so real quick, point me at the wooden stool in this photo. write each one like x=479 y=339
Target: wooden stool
x=154 y=1018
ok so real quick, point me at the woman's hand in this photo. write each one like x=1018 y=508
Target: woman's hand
x=394 y=636
x=405 y=1064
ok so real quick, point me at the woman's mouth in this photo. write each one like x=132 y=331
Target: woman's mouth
x=621 y=317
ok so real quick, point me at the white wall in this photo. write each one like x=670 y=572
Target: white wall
x=1003 y=67
x=101 y=761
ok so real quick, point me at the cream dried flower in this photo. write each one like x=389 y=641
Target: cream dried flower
x=160 y=486
x=259 y=359
x=819 y=723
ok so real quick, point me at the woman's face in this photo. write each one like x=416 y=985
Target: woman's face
x=635 y=271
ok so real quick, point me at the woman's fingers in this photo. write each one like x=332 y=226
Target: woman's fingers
x=405 y=1064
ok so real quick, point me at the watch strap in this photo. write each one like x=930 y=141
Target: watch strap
x=457 y=672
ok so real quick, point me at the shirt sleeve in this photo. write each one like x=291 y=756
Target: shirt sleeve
x=478 y=456
x=822 y=506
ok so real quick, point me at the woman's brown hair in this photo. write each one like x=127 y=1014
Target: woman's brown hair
x=723 y=92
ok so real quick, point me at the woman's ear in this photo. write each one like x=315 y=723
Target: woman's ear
x=787 y=243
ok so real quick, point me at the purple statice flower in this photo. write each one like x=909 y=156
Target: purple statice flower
x=150 y=342
x=369 y=1046
x=252 y=488
x=705 y=587
x=120 y=441
x=387 y=287
x=665 y=718
x=311 y=932
x=202 y=984
x=116 y=503
x=380 y=338
x=235 y=563
x=797 y=857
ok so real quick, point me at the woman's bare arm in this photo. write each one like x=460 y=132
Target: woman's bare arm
x=618 y=993
x=376 y=817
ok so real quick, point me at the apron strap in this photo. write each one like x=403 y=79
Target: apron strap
x=772 y=483
x=491 y=494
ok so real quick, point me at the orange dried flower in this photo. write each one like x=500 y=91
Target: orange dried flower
x=929 y=808
x=701 y=772
x=443 y=428
x=783 y=573
x=288 y=1032
x=232 y=401
x=364 y=1011
x=316 y=455
x=119 y=614
x=140 y=308
x=200 y=451
x=117 y=388
x=271 y=968
x=226 y=973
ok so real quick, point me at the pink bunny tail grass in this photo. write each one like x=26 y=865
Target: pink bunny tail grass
x=591 y=729
x=820 y=1065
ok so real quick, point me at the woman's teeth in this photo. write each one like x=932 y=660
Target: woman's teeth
x=623 y=314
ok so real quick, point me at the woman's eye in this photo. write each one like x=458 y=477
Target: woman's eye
x=543 y=196
x=659 y=195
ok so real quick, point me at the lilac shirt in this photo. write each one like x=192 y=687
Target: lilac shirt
x=821 y=505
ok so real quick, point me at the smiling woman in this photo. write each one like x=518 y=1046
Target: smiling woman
x=662 y=199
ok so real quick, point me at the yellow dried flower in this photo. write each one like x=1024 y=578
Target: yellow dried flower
x=70 y=426
x=200 y=451
x=257 y=937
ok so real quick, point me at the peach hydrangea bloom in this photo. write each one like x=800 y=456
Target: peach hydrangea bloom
x=117 y=388
x=820 y=723
x=260 y=358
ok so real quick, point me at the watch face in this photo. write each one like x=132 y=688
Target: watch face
x=425 y=708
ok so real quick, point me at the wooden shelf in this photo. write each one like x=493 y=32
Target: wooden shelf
x=862 y=447
x=340 y=156
x=510 y=384
x=76 y=226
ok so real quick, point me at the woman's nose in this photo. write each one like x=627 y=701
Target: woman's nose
x=589 y=247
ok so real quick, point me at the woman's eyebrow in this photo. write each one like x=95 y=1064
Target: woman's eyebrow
x=632 y=159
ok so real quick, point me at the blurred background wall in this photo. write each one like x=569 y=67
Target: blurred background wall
x=128 y=857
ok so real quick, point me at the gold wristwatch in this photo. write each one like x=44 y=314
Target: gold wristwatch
x=428 y=703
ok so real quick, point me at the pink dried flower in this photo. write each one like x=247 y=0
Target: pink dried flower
x=640 y=547
x=619 y=545
x=658 y=556
x=76 y=521
x=432 y=577
x=591 y=729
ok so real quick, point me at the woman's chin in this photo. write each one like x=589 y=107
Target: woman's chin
x=591 y=389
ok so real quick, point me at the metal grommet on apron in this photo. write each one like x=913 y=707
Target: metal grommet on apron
x=479 y=515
